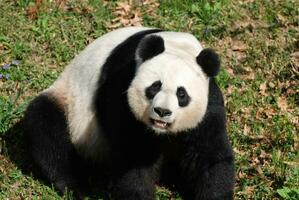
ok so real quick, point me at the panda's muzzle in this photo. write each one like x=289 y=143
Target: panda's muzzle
x=160 y=124
x=160 y=118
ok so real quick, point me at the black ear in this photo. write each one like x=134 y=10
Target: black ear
x=150 y=46
x=209 y=60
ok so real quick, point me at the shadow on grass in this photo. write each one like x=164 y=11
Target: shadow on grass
x=16 y=149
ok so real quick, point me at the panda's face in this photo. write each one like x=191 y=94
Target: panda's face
x=169 y=93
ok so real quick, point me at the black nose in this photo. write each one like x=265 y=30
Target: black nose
x=162 y=112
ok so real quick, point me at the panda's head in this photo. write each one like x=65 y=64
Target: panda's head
x=170 y=90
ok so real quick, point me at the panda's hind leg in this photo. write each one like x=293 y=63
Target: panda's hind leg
x=45 y=128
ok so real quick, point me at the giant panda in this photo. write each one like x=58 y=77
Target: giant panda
x=142 y=106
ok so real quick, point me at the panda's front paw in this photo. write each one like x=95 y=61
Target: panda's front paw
x=64 y=187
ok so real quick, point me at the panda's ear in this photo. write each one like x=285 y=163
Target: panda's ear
x=209 y=60
x=149 y=47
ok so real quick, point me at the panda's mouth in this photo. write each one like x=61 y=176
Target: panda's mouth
x=160 y=124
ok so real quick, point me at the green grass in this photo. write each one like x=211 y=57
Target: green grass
x=259 y=79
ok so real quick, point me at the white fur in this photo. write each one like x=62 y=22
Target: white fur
x=175 y=67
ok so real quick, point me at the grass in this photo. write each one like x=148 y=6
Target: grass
x=257 y=41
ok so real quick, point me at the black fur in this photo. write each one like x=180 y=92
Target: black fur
x=151 y=91
x=209 y=60
x=198 y=162
x=150 y=46
x=183 y=97
x=48 y=140
x=133 y=150
x=207 y=167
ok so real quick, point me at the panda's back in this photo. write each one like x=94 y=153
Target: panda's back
x=75 y=88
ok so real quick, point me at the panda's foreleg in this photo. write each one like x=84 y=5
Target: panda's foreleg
x=215 y=183
x=135 y=184
x=208 y=164
x=45 y=129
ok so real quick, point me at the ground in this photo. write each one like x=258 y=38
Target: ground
x=258 y=41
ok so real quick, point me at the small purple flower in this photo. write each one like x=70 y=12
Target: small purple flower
x=206 y=30
x=1 y=76
x=7 y=76
x=6 y=66
x=15 y=62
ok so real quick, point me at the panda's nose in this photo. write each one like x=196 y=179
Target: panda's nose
x=162 y=112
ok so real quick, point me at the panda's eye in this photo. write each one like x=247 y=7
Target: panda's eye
x=183 y=97
x=152 y=90
x=156 y=85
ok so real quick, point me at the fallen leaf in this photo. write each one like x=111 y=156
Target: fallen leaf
x=241 y=175
x=259 y=170
x=246 y=130
x=123 y=6
x=270 y=112
x=272 y=85
x=263 y=88
x=281 y=19
x=295 y=55
x=229 y=90
x=250 y=76
x=296 y=142
x=295 y=59
x=238 y=151
x=126 y=15
x=249 y=190
x=33 y=10
x=282 y=103
x=248 y=24
x=239 y=46
x=230 y=71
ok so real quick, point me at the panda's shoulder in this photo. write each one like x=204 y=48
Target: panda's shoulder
x=215 y=95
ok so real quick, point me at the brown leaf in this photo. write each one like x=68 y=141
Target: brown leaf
x=16 y=185
x=229 y=90
x=238 y=151
x=136 y=21
x=270 y=112
x=295 y=59
x=230 y=71
x=296 y=142
x=249 y=190
x=259 y=170
x=123 y=6
x=246 y=130
x=242 y=175
x=263 y=88
x=151 y=7
x=239 y=46
x=248 y=24
x=295 y=55
x=33 y=10
x=250 y=76
x=113 y=26
x=272 y=85
x=126 y=15
x=282 y=103
x=281 y=19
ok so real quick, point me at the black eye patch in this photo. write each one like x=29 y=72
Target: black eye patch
x=152 y=90
x=183 y=96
